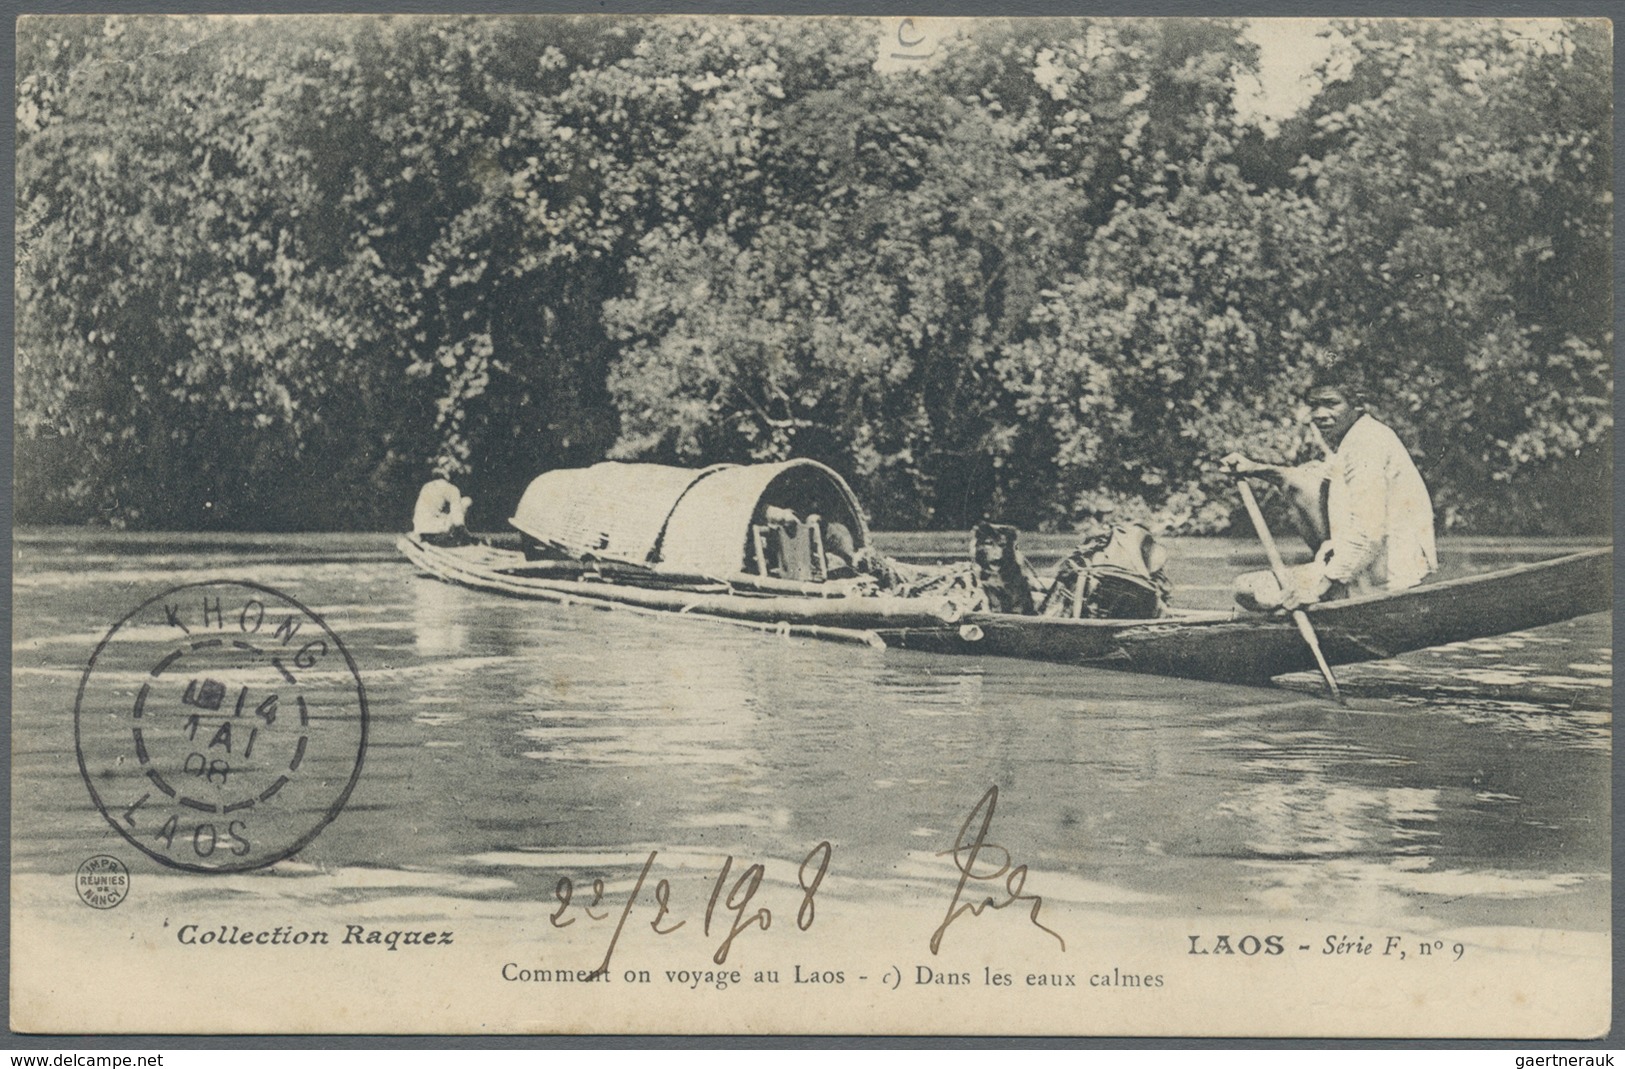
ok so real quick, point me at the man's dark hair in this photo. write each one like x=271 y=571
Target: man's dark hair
x=1340 y=377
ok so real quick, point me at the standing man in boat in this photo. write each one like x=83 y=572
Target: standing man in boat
x=1366 y=505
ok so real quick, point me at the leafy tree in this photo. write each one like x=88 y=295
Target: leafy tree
x=165 y=346
x=274 y=272
x=1465 y=169
x=864 y=311
x=266 y=263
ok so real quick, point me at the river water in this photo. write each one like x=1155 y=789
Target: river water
x=512 y=742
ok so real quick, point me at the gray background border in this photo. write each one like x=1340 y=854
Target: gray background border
x=12 y=9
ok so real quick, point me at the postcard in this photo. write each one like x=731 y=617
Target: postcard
x=766 y=525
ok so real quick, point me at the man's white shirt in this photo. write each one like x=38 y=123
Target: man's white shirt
x=1379 y=512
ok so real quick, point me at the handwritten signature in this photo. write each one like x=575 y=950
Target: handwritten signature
x=737 y=900
x=966 y=852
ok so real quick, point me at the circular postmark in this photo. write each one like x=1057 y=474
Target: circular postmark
x=102 y=881
x=220 y=726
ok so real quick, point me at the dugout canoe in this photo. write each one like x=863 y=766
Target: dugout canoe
x=1217 y=646
x=1253 y=648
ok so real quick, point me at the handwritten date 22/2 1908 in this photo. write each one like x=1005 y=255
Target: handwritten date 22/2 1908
x=977 y=861
x=737 y=901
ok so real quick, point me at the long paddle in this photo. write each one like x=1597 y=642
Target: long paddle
x=1277 y=566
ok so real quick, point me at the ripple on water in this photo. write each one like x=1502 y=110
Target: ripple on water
x=1396 y=886
x=292 y=880
x=629 y=747
x=1494 y=676
x=1594 y=668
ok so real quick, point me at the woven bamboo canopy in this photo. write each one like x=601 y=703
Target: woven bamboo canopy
x=680 y=518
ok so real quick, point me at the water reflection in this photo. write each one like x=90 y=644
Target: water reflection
x=436 y=630
x=1312 y=817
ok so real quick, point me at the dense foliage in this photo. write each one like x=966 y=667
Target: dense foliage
x=276 y=272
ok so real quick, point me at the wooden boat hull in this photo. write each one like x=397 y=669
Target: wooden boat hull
x=1213 y=646
x=1252 y=649
x=507 y=572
